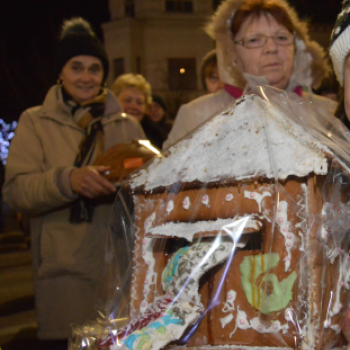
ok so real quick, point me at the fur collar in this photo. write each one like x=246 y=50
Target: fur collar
x=310 y=65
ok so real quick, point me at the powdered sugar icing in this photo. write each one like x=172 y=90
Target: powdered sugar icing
x=186 y=203
x=205 y=200
x=284 y=227
x=170 y=207
x=258 y=197
x=219 y=149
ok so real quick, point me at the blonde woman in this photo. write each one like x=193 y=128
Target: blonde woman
x=133 y=93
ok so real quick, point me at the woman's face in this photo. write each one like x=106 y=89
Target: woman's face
x=275 y=62
x=133 y=102
x=156 y=112
x=213 y=82
x=82 y=77
x=347 y=86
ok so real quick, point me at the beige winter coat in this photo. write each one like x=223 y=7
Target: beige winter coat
x=67 y=257
x=310 y=67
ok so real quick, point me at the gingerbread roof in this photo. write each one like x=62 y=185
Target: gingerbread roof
x=251 y=139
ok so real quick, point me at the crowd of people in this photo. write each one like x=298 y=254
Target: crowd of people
x=50 y=173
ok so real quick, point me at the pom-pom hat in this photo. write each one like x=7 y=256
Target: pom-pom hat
x=340 y=41
x=77 y=38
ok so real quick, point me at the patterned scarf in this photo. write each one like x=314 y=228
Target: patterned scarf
x=90 y=147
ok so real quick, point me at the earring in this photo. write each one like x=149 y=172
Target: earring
x=59 y=81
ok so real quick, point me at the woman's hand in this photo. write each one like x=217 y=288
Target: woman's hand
x=88 y=182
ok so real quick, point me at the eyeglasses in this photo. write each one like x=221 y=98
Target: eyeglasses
x=259 y=40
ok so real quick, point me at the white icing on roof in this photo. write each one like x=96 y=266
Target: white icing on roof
x=233 y=227
x=253 y=138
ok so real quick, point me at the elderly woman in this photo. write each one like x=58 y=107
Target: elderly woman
x=50 y=176
x=258 y=42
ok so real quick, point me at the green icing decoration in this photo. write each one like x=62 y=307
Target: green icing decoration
x=172 y=267
x=252 y=268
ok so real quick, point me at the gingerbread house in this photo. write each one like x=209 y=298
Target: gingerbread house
x=236 y=245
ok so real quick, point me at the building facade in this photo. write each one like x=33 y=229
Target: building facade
x=161 y=39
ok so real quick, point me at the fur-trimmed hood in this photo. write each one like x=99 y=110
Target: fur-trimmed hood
x=310 y=65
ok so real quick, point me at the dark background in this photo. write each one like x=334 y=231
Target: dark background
x=28 y=34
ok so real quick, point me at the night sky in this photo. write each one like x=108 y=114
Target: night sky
x=29 y=30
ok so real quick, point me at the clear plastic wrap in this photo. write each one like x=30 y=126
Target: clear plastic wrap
x=237 y=236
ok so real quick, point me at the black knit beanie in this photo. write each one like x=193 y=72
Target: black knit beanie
x=159 y=100
x=77 y=38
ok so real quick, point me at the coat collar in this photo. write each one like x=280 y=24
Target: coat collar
x=236 y=92
x=54 y=107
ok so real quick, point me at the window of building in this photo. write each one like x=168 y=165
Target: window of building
x=216 y=4
x=118 y=67
x=129 y=6
x=182 y=74
x=179 y=6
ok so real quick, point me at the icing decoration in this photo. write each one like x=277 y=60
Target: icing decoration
x=153 y=311
x=183 y=271
x=166 y=319
x=205 y=200
x=344 y=279
x=327 y=207
x=189 y=229
x=226 y=320
x=325 y=232
x=295 y=151
x=336 y=328
x=229 y=197
x=151 y=275
x=258 y=197
x=275 y=327
x=146 y=251
x=284 y=224
x=302 y=246
x=165 y=329
x=186 y=203
x=149 y=222
x=252 y=267
x=302 y=214
x=243 y=323
x=170 y=207
x=229 y=304
x=171 y=269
